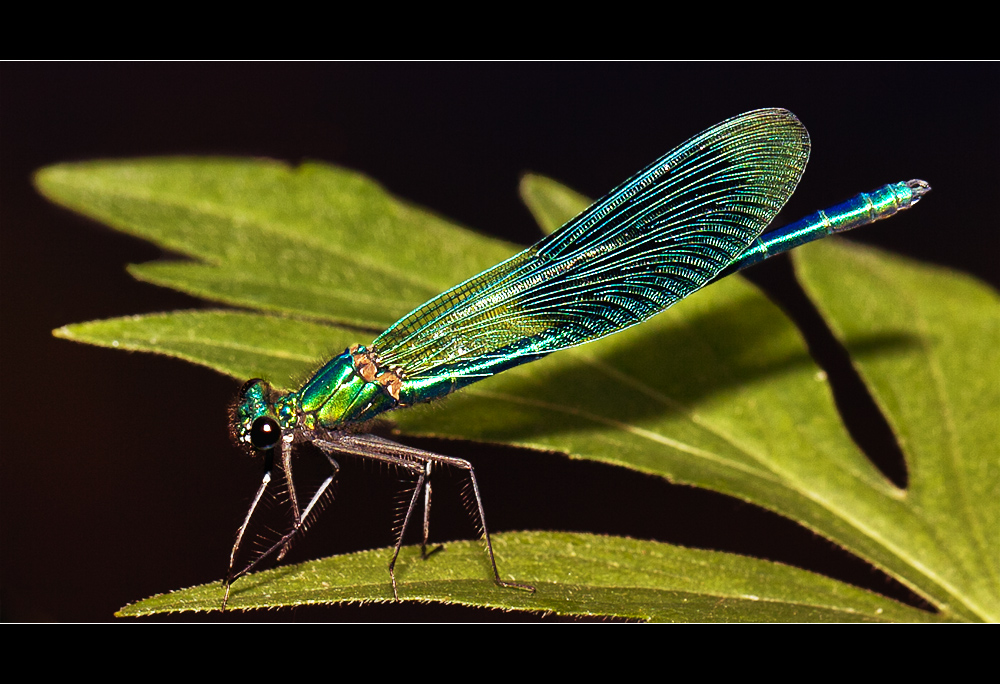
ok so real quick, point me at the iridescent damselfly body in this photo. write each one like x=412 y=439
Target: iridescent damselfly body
x=697 y=214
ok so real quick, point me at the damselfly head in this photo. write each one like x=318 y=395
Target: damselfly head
x=252 y=421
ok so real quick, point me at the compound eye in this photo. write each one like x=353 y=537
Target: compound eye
x=264 y=433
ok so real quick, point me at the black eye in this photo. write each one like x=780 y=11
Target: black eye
x=264 y=433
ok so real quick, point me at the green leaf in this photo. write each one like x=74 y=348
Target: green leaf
x=942 y=399
x=719 y=392
x=574 y=574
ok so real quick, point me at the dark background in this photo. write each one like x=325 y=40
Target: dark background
x=118 y=477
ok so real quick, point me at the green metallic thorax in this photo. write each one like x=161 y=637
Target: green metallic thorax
x=348 y=389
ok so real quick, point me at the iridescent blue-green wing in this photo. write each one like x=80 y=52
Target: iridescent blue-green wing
x=650 y=242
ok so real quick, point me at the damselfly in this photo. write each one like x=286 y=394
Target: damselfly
x=693 y=216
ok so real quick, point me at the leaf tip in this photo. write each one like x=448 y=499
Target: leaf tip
x=45 y=178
